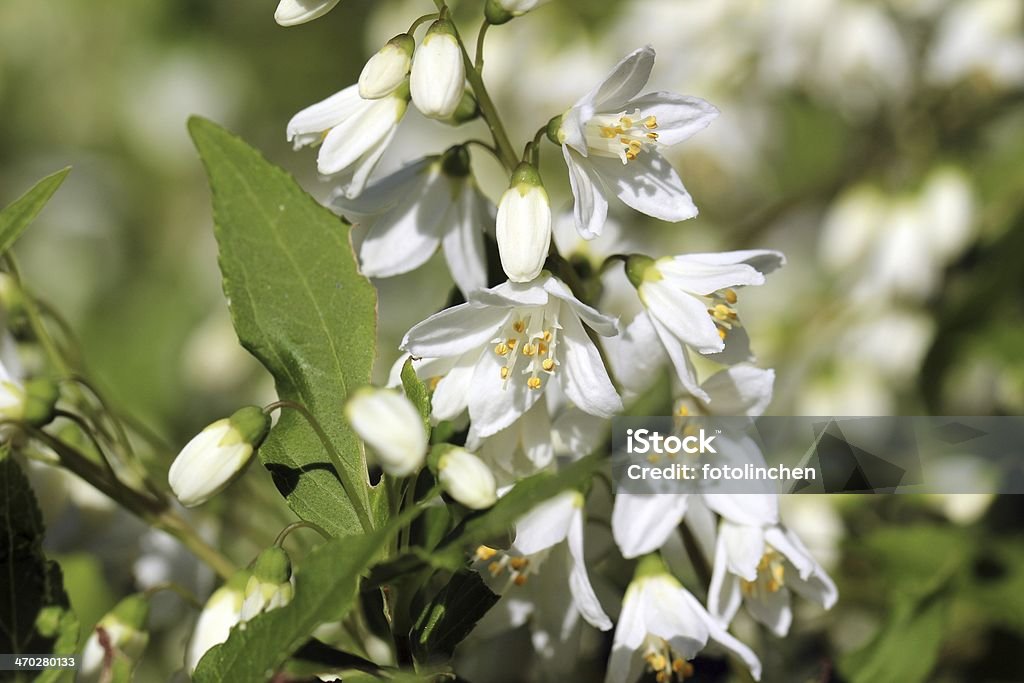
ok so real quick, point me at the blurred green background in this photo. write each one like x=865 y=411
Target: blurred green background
x=878 y=144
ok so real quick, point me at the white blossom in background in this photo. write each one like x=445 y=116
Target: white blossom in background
x=390 y=424
x=221 y=613
x=760 y=568
x=497 y=352
x=523 y=227
x=294 y=12
x=662 y=626
x=387 y=69
x=117 y=641
x=407 y=215
x=980 y=38
x=353 y=133
x=611 y=140
x=467 y=479
x=438 y=73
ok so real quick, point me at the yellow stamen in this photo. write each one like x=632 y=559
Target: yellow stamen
x=519 y=580
x=529 y=349
x=519 y=563
x=502 y=349
x=651 y=122
x=434 y=381
x=519 y=326
x=533 y=382
x=485 y=553
x=504 y=373
x=722 y=332
x=730 y=296
x=548 y=364
x=683 y=411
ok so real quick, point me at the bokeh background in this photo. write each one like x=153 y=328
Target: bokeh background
x=878 y=144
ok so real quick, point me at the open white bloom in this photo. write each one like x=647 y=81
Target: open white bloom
x=408 y=214
x=611 y=140
x=215 y=456
x=495 y=354
x=662 y=626
x=391 y=425
x=759 y=567
x=353 y=133
x=438 y=72
x=467 y=479
x=117 y=641
x=387 y=69
x=523 y=226
x=690 y=302
x=270 y=585
x=220 y=614
x=294 y=12
x=979 y=38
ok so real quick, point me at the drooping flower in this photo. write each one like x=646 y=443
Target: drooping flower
x=690 y=301
x=662 y=626
x=294 y=12
x=496 y=353
x=438 y=72
x=117 y=642
x=353 y=133
x=523 y=227
x=214 y=457
x=386 y=70
x=408 y=214
x=759 y=567
x=270 y=585
x=391 y=425
x=467 y=479
x=222 y=611
x=611 y=140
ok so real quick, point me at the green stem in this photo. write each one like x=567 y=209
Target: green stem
x=301 y=524
x=420 y=21
x=347 y=482
x=479 y=63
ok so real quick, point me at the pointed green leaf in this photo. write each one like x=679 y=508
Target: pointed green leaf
x=17 y=216
x=301 y=307
x=450 y=616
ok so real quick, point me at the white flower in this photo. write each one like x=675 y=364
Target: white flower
x=293 y=12
x=610 y=140
x=408 y=214
x=759 y=566
x=270 y=585
x=391 y=425
x=517 y=7
x=556 y=525
x=215 y=456
x=353 y=133
x=662 y=626
x=387 y=69
x=523 y=227
x=690 y=302
x=495 y=354
x=467 y=479
x=979 y=37
x=438 y=72
x=120 y=636
x=220 y=614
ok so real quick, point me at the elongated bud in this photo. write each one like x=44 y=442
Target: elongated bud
x=387 y=69
x=390 y=424
x=438 y=73
x=218 y=454
x=117 y=642
x=524 y=225
x=220 y=614
x=640 y=269
x=270 y=585
x=294 y=12
x=466 y=478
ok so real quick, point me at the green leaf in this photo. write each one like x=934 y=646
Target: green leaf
x=16 y=217
x=300 y=306
x=417 y=392
x=31 y=583
x=450 y=616
x=63 y=626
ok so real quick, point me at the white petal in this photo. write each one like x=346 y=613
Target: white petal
x=548 y=523
x=359 y=173
x=582 y=373
x=535 y=435
x=600 y=323
x=360 y=133
x=385 y=193
x=744 y=548
x=724 y=593
x=636 y=356
x=590 y=207
x=718 y=634
x=692 y=274
x=438 y=75
x=744 y=508
x=679 y=116
x=684 y=316
x=737 y=348
x=740 y=390
x=763 y=261
x=452 y=390
x=641 y=523
x=293 y=12
x=772 y=609
x=648 y=184
x=621 y=84
x=455 y=330
x=308 y=125
x=494 y=404
x=811 y=582
x=579 y=582
x=511 y=294
x=464 y=240
x=680 y=361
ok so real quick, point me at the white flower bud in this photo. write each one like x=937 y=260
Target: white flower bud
x=220 y=614
x=32 y=402
x=387 y=69
x=524 y=225
x=467 y=479
x=270 y=585
x=294 y=12
x=117 y=642
x=390 y=424
x=438 y=72
x=215 y=456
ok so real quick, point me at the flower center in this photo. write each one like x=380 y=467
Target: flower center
x=529 y=341
x=665 y=664
x=771 y=574
x=621 y=135
x=498 y=563
x=721 y=310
